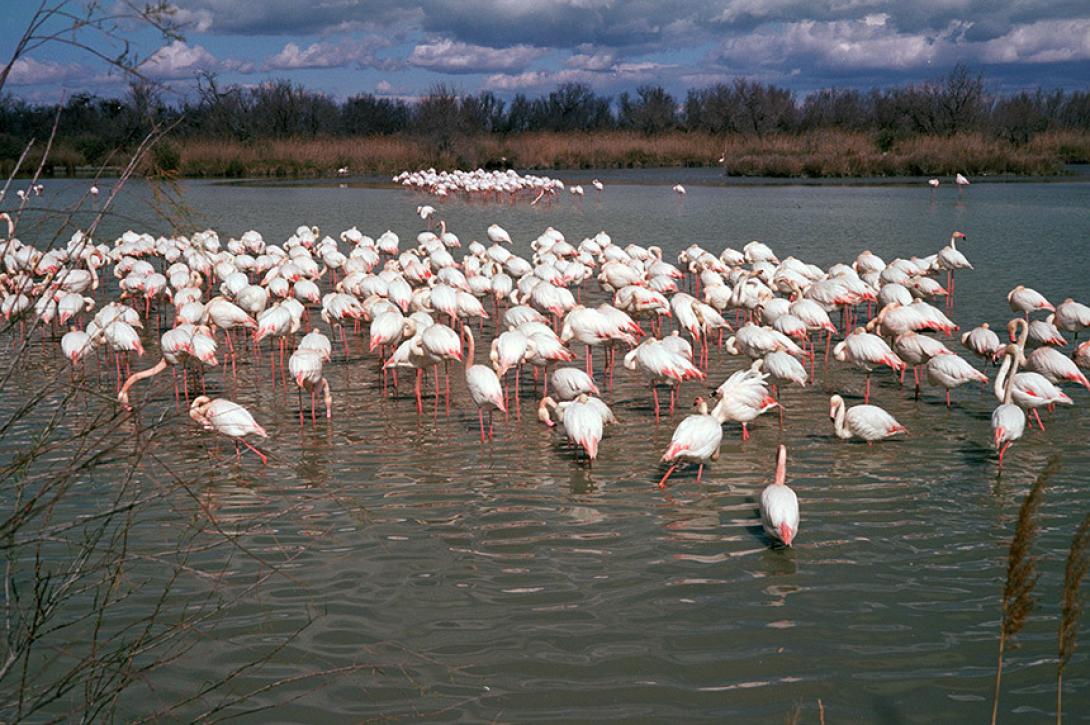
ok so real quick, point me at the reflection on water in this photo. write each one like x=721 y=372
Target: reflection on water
x=510 y=581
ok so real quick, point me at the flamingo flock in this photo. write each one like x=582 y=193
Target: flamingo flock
x=424 y=307
x=506 y=184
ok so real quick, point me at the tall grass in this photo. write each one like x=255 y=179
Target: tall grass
x=1078 y=562
x=1021 y=573
x=815 y=154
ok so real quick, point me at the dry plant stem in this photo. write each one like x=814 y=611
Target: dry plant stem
x=1021 y=573
x=1078 y=562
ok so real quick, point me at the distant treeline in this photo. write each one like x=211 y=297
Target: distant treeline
x=445 y=121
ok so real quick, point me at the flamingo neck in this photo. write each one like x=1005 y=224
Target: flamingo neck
x=781 y=466
x=1004 y=381
x=1023 y=336
x=838 y=422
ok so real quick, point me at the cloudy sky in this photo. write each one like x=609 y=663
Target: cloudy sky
x=402 y=47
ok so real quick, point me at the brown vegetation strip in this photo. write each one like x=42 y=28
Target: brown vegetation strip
x=818 y=154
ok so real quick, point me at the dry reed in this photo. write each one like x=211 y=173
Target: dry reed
x=1021 y=573
x=814 y=154
x=1078 y=562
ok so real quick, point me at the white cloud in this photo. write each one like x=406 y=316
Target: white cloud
x=317 y=55
x=590 y=61
x=1047 y=41
x=199 y=20
x=862 y=44
x=448 y=56
x=178 y=60
x=520 y=81
x=28 y=72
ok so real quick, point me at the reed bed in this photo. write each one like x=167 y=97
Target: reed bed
x=817 y=154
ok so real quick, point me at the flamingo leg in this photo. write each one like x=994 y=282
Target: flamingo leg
x=655 y=395
x=1037 y=417
x=264 y=459
x=948 y=397
x=480 y=417
x=866 y=395
x=419 y=392
x=699 y=472
x=670 y=470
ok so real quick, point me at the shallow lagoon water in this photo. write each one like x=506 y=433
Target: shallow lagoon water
x=511 y=582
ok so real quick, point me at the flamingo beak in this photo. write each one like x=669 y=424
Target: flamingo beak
x=786 y=534
x=997 y=435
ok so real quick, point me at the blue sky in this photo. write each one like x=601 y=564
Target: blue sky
x=403 y=47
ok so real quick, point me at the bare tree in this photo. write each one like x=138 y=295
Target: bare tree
x=98 y=29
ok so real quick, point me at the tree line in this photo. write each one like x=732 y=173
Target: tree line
x=956 y=103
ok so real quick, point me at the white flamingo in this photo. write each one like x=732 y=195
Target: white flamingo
x=697 y=438
x=779 y=505
x=868 y=422
x=1008 y=420
x=484 y=386
x=227 y=418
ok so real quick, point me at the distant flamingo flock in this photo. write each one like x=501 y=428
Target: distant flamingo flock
x=498 y=184
x=421 y=308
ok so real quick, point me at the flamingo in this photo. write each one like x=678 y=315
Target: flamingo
x=1055 y=366
x=1072 y=316
x=697 y=438
x=1008 y=420
x=175 y=345
x=227 y=418
x=498 y=235
x=1029 y=389
x=917 y=349
x=305 y=367
x=982 y=342
x=866 y=351
x=1027 y=300
x=779 y=505
x=742 y=397
x=951 y=371
x=679 y=189
x=570 y=383
x=933 y=183
x=1082 y=355
x=1044 y=332
x=868 y=422
x=76 y=344
x=660 y=363
x=484 y=385
x=950 y=259
x=583 y=422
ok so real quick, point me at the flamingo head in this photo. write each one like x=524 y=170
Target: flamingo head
x=997 y=435
x=958 y=235
x=786 y=534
